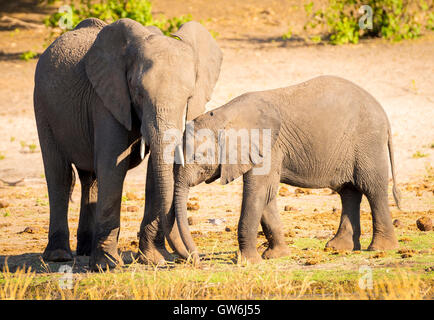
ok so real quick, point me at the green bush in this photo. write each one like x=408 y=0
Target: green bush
x=391 y=19
x=28 y=55
x=112 y=10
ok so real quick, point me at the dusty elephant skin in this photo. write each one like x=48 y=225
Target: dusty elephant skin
x=99 y=90
x=325 y=133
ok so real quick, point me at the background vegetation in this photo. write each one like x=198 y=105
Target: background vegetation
x=393 y=20
x=112 y=10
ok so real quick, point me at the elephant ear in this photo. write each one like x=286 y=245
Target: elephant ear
x=259 y=124
x=208 y=58
x=105 y=64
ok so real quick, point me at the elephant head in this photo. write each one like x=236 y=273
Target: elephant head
x=254 y=127
x=164 y=81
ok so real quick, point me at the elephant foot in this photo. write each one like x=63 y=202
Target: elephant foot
x=84 y=245
x=105 y=255
x=383 y=243
x=343 y=243
x=57 y=255
x=58 y=249
x=105 y=261
x=154 y=256
x=252 y=257
x=276 y=252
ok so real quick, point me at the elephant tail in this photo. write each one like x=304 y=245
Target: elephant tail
x=73 y=179
x=395 y=190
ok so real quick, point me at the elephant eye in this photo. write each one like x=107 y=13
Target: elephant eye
x=211 y=113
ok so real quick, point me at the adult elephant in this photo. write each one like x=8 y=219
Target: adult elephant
x=99 y=90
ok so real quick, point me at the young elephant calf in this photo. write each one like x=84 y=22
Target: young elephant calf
x=323 y=133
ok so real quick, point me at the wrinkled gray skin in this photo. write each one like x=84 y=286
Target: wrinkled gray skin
x=326 y=133
x=98 y=90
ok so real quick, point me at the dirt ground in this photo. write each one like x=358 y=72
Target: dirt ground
x=399 y=75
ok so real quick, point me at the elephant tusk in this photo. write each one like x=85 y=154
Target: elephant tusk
x=179 y=155
x=142 y=148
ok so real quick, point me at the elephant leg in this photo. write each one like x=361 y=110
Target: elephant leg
x=89 y=190
x=58 y=173
x=348 y=235
x=107 y=219
x=272 y=227
x=374 y=183
x=152 y=247
x=253 y=204
x=383 y=232
x=111 y=140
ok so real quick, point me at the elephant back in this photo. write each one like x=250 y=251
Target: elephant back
x=61 y=61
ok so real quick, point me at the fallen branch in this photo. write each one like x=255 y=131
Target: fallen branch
x=17 y=23
x=12 y=184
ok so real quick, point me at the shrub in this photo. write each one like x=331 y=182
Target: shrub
x=112 y=10
x=391 y=19
x=28 y=55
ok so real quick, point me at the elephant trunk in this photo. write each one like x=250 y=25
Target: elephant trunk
x=180 y=200
x=163 y=174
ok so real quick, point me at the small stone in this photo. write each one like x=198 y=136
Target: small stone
x=334 y=210
x=284 y=192
x=406 y=255
x=192 y=206
x=132 y=196
x=194 y=199
x=228 y=210
x=32 y=230
x=290 y=208
x=132 y=208
x=4 y=204
x=424 y=223
x=190 y=221
x=290 y=234
x=299 y=191
x=396 y=223
x=380 y=254
x=228 y=229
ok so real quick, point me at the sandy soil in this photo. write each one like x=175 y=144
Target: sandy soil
x=400 y=76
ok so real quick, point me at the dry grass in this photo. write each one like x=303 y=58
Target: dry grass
x=308 y=272
x=228 y=282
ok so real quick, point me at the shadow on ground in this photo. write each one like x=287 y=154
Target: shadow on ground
x=10 y=56
x=23 y=6
x=80 y=264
